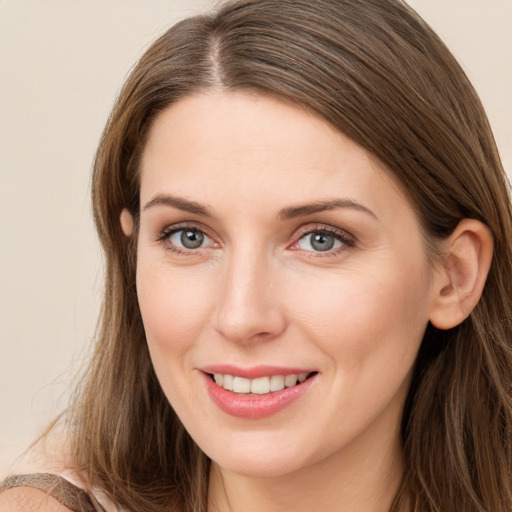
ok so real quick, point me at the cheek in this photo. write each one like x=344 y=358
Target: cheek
x=360 y=317
x=174 y=307
x=369 y=327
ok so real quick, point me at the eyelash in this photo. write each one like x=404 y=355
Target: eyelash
x=166 y=233
x=347 y=241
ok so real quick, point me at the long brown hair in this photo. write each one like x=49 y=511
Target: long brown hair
x=375 y=71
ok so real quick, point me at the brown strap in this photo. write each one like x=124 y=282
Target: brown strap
x=69 y=495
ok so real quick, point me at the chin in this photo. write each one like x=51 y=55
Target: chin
x=264 y=458
x=259 y=468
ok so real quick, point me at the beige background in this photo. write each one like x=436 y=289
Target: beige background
x=61 y=64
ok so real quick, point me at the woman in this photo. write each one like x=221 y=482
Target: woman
x=307 y=233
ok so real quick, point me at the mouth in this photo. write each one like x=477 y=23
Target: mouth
x=261 y=385
x=258 y=392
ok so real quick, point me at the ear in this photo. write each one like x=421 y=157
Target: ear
x=126 y=220
x=460 y=280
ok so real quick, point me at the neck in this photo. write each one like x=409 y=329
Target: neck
x=360 y=478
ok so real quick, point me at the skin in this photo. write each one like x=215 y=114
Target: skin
x=257 y=293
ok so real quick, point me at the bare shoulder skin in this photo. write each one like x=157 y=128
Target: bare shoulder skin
x=47 y=456
x=28 y=499
x=51 y=456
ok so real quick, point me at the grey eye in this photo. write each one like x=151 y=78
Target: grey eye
x=188 y=238
x=319 y=242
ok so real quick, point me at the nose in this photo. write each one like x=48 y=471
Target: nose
x=249 y=307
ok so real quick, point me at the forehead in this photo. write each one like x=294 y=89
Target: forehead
x=230 y=148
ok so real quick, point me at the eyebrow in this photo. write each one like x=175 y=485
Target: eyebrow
x=180 y=203
x=287 y=213
x=302 y=210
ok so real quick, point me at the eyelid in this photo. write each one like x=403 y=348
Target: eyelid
x=348 y=240
x=177 y=226
x=164 y=235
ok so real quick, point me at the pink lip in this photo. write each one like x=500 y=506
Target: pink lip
x=255 y=406
x=253 y=372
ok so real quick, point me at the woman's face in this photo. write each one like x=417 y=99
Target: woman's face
x=273 y=249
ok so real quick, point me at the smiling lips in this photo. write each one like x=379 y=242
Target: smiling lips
x=253 y=395
x=260 y=385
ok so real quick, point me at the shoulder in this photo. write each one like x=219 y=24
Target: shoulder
x=16 y=494
x=45 y=492
x=47 y=480
x=29 y=499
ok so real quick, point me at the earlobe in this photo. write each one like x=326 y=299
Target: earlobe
x=460 y=281
x=126 y=220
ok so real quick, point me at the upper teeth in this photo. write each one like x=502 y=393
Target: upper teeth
x=261 y=385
